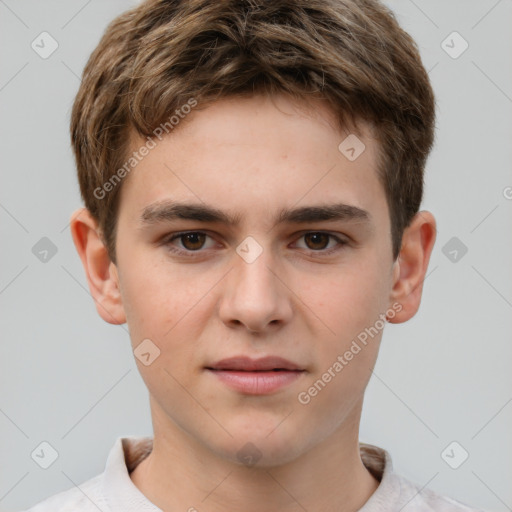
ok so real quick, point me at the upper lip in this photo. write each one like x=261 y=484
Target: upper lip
x=245 y=363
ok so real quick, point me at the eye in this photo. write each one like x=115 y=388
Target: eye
x=317 y=241
x=191 y=241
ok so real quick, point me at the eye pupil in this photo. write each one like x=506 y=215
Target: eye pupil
x=193 y=237
x=317 y=238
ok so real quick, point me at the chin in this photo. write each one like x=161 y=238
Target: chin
x=258 y=445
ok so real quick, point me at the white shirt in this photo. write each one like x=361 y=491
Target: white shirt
x=113 y=490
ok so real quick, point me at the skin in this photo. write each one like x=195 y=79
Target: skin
x=252 y=157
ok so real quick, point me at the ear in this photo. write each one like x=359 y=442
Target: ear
x=101 y=272
x=410 y=267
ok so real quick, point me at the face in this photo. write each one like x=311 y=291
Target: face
x=274 y=277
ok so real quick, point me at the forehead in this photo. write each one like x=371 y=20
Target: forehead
x=257 y=156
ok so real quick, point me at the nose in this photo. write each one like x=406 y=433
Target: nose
x=255 y=295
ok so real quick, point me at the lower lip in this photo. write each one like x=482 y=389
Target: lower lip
x=257 y=383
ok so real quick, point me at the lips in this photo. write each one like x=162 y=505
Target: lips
x=246 y=364
x=256 y=376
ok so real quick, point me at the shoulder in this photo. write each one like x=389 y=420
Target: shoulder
x=84 y=498
x=396 y=492
x=419 y=499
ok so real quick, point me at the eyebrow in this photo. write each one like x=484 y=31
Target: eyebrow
x=167 y=210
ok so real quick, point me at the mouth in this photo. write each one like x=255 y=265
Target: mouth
x=251 y=371
x=246 y=364
x=256 y=376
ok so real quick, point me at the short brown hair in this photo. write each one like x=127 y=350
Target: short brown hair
x=352 y=53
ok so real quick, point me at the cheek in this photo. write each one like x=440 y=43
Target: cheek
x=347 y=300
x=170 y=308
x=349 y=303
x=350 y=306
x=157 y=296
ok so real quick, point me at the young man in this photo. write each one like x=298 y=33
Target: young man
x=252 y=175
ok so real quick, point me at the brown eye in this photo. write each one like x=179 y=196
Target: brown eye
x=188 y=243
x=192 y=241
x=321 y=243
x=317 y=241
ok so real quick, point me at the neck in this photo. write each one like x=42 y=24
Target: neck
x=182 y=474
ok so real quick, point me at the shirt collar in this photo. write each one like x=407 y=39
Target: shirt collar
x=379 y=464
x=118 y=489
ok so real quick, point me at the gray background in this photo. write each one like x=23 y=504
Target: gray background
x=68 y=378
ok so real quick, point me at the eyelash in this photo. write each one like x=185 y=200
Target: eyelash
x=192 y=254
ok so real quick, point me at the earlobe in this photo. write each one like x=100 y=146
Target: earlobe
x=411 y=266
x=100 y=271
